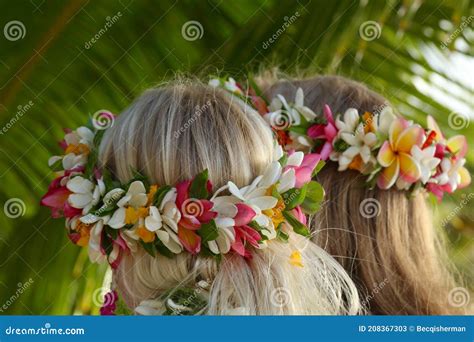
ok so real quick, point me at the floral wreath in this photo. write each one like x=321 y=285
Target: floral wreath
x=390 y=150
x=112 y=218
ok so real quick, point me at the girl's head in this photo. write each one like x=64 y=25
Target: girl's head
x=172 y=133
x=383 y=238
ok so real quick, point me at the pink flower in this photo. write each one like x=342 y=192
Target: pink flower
x=299 y=215
x=194 y=212
x=303 y=168
x=109 y=306
x=243 y=233
x=325 y=132
x=57 y=197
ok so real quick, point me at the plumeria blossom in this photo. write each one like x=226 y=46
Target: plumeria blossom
x=228 y=84
x=387 y=148
x=131 y=207
x=76 y=145
x=163 y=221
x=294 y=112
x=451 y=173
x=358 y=133
x=395 y=154
x=84 y=194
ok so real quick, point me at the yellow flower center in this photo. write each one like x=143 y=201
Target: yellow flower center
x=133 y=214
x=151 y=194
x=77 y=149
x=276 y=213
x=356 y=163
x=84 y=230
x=145 y=234
x=368 y=122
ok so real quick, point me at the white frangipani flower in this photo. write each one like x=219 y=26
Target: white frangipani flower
x=85 y=194
x=450 y=173
x=135 y=197
x=426 y=161
x=163 y=221
x=361 y=143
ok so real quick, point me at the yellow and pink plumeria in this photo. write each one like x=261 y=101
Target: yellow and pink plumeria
x=393 y=152
x=112 y=218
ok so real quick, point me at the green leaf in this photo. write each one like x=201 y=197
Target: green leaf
x=161 y=248
x=282 y=236
x=298 y=227
x=313 y=199
x=160 y=194
x=340 y=145
x=149 y=248
x=208 y=231
x=113 y=233
x=283 y=159
x=318 y=168
x=198 y=188
x=294 y=197
x=299 y=129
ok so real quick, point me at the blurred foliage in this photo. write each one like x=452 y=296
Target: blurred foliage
x=66 y=82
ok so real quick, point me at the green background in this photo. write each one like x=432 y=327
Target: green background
x=67 y=82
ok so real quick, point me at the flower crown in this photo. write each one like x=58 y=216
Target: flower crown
x=390 y=150
x=113 y=218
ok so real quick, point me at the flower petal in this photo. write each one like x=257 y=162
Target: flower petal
x=385 y=156
x=263 y=202
x=464 y=176
x=397 y=126
x=389 y=175
x=295 y=159
x=190 y=240
x=411 y=136
x=244 y=215
x=118 y=219
x=80 y=185
x=432 y=125
x=385 y=119
x=458 y=145
x=351 y=119
x=271 y=175
x=409 y=169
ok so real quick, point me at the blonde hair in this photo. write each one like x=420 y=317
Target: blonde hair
x=173 y=132
x=392 y=251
